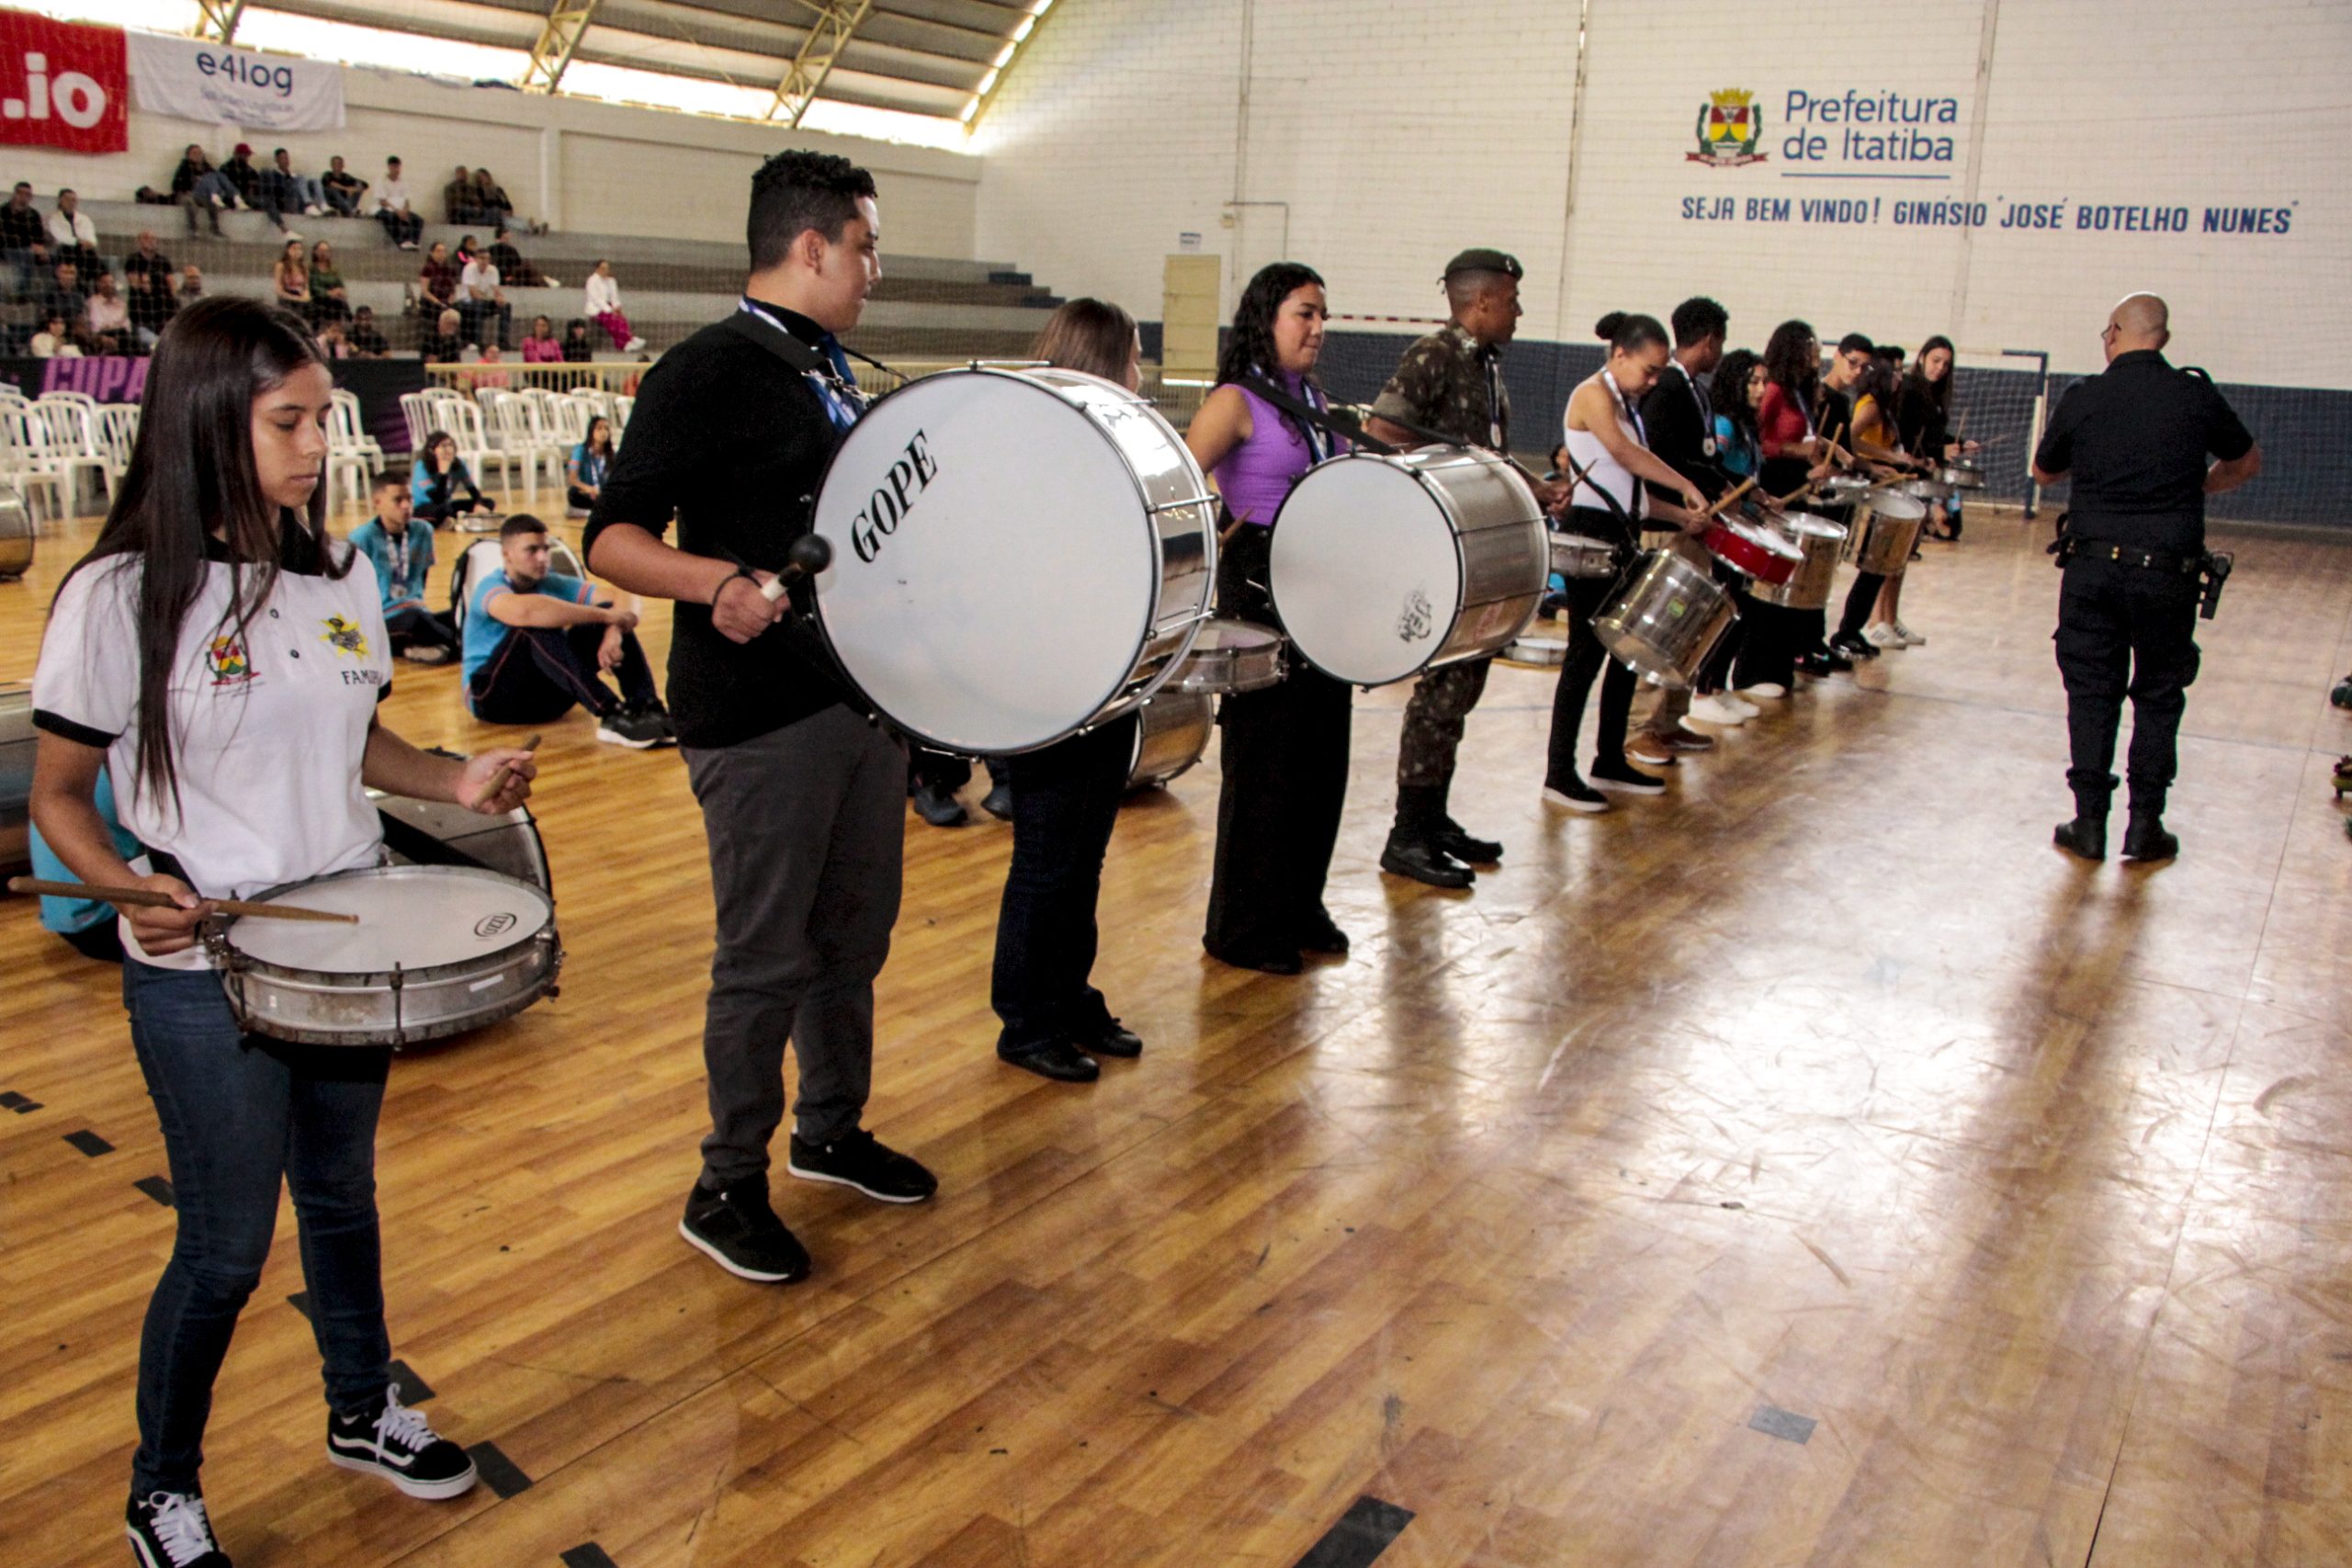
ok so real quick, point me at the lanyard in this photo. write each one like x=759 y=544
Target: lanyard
x=398 y=547
x=1321 y=442
x=834 y=384
x=1624 y=406
x=1495 y=402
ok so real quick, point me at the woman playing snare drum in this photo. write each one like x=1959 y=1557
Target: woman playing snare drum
x=222 y=657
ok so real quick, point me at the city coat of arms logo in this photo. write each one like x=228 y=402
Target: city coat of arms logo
x=1731 y=126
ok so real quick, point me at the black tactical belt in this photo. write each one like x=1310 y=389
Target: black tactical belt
x=2123 y=555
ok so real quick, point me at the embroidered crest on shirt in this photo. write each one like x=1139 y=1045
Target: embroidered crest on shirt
x=225 y=657
x=345 y=637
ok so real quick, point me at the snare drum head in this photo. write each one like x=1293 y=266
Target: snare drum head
x=1762 y=538
x=1365 y=569
x=1894 y=503
x=417 y=917
x=1224 y=635
x=1806 y=524
x=996 y=571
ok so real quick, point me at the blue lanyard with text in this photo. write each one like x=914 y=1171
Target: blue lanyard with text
x=836 y=388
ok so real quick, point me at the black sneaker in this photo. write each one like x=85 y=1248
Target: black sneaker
x=394 y=1441
x=1852 y=647
x=1424 y=862
x=939 y=808
x=858 y=1159
x=2083 y=836
x=1110 y=1038
x=168 y=1529
x=1052 y=1059
x=1626 y=779
x=669 y=726
x=632 y=728
x=737 y=1230
x=1575 y=794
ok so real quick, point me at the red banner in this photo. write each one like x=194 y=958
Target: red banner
x=62 y=85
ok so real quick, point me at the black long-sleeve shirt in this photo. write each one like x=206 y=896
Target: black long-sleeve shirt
x=1680 y=422
x=2133 y=441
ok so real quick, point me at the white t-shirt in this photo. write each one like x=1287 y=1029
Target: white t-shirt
x=603 y=295
x=268 y=727
x=480 y=279
x=392 y=194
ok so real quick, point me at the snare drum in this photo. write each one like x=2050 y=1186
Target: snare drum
x=1962 y=474
x=1885 y=528
x=1230 y=656
x=1842 y=489
x=1384 y=565
x=1171 y=733
x=1017 y=556
x=1582 y=559
x=1667 y=620
x=1822 y=542
x=1930 y=489
x=438 y=949
x=1757 y=553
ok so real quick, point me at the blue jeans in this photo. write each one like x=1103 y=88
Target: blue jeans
x=237 y=1113
x=1065 y=803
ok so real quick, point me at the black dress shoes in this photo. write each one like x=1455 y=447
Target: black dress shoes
x=2083 y=836
x=1450 y=838
x=1109 y=1039
x=1424 y=862
x=1267 y=963
x=1320 y=936
x=1055 y=1059
x=939 y=808
x=2145 y=839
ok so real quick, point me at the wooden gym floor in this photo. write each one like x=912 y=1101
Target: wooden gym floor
x=1810 y=1167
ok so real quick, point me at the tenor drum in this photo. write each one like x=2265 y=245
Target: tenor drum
x=1885 y=528
x=1754 y=552
x=15 y=534
x=1171 y=733
x=1822 y=542
x=1017 y=556
x=438 y=949
x=1667 y=620
x=1579 y=557
x=1383 y=566
x=1230 y=656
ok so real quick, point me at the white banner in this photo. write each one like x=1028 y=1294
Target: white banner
x=204 y=81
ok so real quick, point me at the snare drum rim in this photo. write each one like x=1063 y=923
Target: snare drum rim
x=1461 y=565
x=232 y=959
x=1185 y=630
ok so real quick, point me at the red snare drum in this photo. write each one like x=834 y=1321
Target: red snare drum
x=1758 y=552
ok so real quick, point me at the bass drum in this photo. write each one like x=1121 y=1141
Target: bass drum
x=1017 y=556
x=1172 y=734
x=1383 y=566
x=15 y=534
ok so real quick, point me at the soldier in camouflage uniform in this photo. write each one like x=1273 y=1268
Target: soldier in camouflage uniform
x=1450 y=382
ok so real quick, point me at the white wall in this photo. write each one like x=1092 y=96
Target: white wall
x=584 y=166
x=1395 y=139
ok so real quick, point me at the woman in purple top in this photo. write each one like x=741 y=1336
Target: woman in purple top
x=1284 y=754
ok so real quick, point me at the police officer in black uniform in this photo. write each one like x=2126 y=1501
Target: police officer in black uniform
x=2134 y=443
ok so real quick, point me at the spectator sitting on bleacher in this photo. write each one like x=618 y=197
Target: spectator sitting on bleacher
x=436 y=283
x=196 y=183
x=73 y=237
x=457 y=199
x=395 y=211
x=240 y=172
x=108 y=318
x=53 y=341
x=63 y=296
x=513 y=268
x=500 y=378
x=24 y=239
x=536 y=643
x=366 y=341
x=152 y=307
x=292 y=277
x=490 y=200
x=540 y=346
x=283 y=189
x=332 y=342
x=577 y=347
x=191 y=283
x=401 y=548
x=603 y=302
x=342 y=188
x=329 y=299
x=583 y=471
x=482 y=298
x=146 y=258
x=444 y=346
x=439 y=487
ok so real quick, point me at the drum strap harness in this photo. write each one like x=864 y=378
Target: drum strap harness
x=1320 y=419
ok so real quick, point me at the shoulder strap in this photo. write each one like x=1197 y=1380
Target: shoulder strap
x=1321 y=418
x=756 y=328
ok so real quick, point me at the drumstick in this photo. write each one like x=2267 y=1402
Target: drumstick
x=1717 y=509
x=1797 y=494
x=148 y=898
x=498 y=780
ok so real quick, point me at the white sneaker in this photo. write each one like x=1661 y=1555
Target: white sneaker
x=1770 y=691
x=1739 y=704
x=547 y=282
x=1881 y=635
x=1712 y=709
x=288 y=234
x=632 y=345
x=314 y=210
x=1910 y=637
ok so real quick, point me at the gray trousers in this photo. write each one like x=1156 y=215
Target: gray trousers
x=807 y=830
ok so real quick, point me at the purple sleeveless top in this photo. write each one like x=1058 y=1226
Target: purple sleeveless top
x=1256 y=474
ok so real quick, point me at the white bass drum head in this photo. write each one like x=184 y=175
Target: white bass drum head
x=1365 y=569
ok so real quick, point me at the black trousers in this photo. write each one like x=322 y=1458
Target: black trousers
x=1862 y=599
x=540 y=671
x=1065 y=803
x=1283 y=753
x=1585 y=660
x=2124 y=631
x=413 y=624
x=946 y=771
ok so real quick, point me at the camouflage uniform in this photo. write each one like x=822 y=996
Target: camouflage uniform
x=1447 y=383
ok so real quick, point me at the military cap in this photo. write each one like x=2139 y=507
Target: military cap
x=1480 y=259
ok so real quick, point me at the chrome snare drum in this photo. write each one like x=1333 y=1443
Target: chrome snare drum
x=1962 y=473
x=1172 y=734
x=1230 y=656
x=1017 y=556
x=438 y=949
x=1579 y=557
x=1383 y=566
x=1822 y=542
x=1885 y=528
x=1667 y=620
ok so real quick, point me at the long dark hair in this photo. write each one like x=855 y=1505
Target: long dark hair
x=1789 y=363
x=1728 y=391
x=1093 y=335
x=588 y=436
x=191 y=473
x=1250 y=346
x=1915 y=381
x=432 y=439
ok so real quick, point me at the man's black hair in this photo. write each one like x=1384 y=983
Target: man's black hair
x=1698 y=319
x=796 y=191
x=1855 y=342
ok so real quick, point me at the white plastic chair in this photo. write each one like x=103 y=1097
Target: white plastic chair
x=72 y=424
x=25 y=455
x=460 y=416
x=511 y=439
x=416 y=407
x=118 y=426
x=353 y=455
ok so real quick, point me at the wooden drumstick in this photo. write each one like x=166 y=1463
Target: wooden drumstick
x=498 y=780
x=1728 y=497
x=148 y=898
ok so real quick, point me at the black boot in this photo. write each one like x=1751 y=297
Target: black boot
x=2085 y=836
x=1454 y=840
x=2144 y=838
x=1413 y=845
